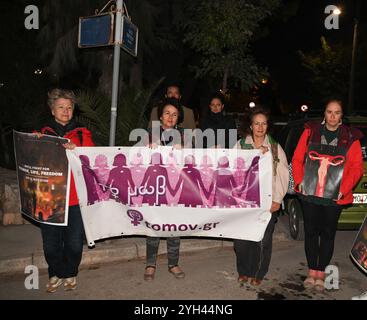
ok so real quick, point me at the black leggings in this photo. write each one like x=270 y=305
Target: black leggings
x=320 y=224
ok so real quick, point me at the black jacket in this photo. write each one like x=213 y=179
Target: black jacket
x=217 y=121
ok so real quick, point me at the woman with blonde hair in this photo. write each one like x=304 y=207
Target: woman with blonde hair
x=63 y=246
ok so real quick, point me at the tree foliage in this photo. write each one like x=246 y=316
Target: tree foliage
x=95 y=113
x=221 y=32
x=327 y=71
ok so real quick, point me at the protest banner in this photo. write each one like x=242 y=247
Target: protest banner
x=43 y=177
x=167 y=192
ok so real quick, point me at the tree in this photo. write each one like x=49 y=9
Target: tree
x=59 y=51
x=327 y=72
x=221 y=33
x=95 y=111
x=22 y=93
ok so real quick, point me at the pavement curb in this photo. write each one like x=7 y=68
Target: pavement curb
x=130 y=250
x=102 y=254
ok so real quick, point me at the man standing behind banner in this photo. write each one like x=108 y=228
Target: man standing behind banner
x=63 y=246
x=327 y=164
x=253 y=258
x=188 y=119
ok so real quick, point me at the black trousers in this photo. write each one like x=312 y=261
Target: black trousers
x=320 y=224
x=173 y=250
x=63 y=246
x=253 y=258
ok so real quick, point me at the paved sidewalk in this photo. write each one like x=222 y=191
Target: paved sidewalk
x=22 y=245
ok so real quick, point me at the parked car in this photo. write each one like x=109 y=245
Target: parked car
x=352 y=216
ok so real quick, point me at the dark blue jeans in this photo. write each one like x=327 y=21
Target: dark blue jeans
x=63 y=246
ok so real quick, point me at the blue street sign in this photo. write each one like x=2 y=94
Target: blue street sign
x=96 y=31
x=130 y=32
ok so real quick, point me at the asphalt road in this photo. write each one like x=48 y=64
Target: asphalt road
x=210 y=275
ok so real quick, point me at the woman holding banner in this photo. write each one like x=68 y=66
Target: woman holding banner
x=170 y=113
x=253 y=258
x=63 y=246
x=327 y=164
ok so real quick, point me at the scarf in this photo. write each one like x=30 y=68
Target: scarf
x=60 y=129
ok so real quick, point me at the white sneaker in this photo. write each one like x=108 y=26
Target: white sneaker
x=70 y=284
x=363 y=296
x=53 y=283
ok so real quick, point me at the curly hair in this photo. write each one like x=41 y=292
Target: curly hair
x=172 y=102
x=57 y=93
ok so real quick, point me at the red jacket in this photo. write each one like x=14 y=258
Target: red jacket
x=353 y=168
x=81 y=137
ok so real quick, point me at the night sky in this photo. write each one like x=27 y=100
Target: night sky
x=279 y=50
x=285 y=34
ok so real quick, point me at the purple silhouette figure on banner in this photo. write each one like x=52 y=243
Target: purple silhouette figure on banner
x=102 y=172
x=206 y=173
x=91 y=180
x=174 y=175
x=120 y=179
x=250 y=187
x=224 y=184
x=137 y=172
x=155 y=182
x=191 y=182
x=240 y=176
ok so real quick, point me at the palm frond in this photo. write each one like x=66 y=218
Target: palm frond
x=95 y=112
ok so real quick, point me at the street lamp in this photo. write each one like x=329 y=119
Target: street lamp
x=304 y=108
x=337 y=11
